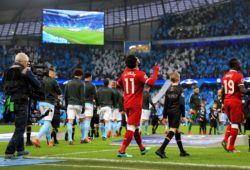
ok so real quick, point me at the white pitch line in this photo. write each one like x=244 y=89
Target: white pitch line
x=91 y=166
x=147 y=162
x=86 y=152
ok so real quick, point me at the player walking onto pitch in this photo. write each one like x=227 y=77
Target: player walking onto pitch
x=174 y=110
x=132 y=80
x=106 y=99
x=90 y=96
x=75 y=103
x=145 y=109
x=232 y=88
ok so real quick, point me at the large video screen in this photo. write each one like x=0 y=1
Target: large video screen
x=73 y=27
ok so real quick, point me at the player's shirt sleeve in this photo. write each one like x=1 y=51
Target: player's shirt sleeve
x=143 y=77
x=240 y=80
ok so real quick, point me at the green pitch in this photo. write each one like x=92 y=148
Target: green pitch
x=101 y=155
x=78 y=37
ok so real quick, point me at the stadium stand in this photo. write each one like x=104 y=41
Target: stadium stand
x=106 y=63
x=216 y=20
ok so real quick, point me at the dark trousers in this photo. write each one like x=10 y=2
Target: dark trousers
x=17 y=141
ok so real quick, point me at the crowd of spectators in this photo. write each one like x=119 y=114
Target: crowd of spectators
x=212 y=61
x=192 y=62
x=231 y=18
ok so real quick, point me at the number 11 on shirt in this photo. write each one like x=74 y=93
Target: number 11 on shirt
x=130 y=82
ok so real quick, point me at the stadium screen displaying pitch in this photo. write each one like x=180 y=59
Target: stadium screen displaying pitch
x=73 y=27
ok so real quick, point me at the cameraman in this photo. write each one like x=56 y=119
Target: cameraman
x=51 y=91
x=16 y=81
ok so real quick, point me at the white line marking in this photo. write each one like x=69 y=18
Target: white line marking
x=91 y=166
x=147 y=162
x=78 y=153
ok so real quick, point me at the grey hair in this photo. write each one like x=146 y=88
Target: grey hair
x=21 y=57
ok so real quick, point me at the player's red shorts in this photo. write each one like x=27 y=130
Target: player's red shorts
x=234 y=110
x=134 y=115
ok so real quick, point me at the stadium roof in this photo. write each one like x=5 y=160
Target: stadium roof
x=24 y=17
x=96 y=4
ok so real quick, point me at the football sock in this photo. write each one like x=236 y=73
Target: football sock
x=53 y=135
x=178 y=141
x=107 y=127
x=113 y=127
x=234 y=133
x=86 y=127
x=73 y=132
x=102 y=128
x=240 y=128
x=28 y=132
x=200 y=130
x=48 y=135
x=138 y=139
x=228 y=133
x=127 y=139
x=43 y=129
x=146 y=126
x=214 y=131
x=249 y=141
x=82 y=129
x=96 y=131
x=118 y=125
x=166 y=141
x=153 y=130
x=190 y=124
x=66 y=135
x=210 y=131
x=69 y=127
x=140 y=127
x=120 y=130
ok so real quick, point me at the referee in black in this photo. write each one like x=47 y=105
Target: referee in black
x=174 y=110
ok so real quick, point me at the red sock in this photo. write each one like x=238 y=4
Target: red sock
x=138 y=139
x=234 y=133
x=228 y=133
x=127 y=139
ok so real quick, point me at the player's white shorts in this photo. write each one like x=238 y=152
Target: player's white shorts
x=105 y=113
x=145 y=114
x=43 y=107
x=74 y=111
x=89 y=110
x=116 y=115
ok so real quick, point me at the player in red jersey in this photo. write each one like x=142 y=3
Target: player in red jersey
x=232 y=90
x=132 y=80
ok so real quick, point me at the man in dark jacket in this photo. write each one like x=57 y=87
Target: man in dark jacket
x=17 y=81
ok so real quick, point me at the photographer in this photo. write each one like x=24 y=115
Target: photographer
x=51 y=91
x=17 y=81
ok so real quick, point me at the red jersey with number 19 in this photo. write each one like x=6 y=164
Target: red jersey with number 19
x=133 y=81
x=230 y=82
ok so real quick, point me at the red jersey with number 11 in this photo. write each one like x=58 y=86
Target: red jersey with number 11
x=230 y=82
x=132 y=81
